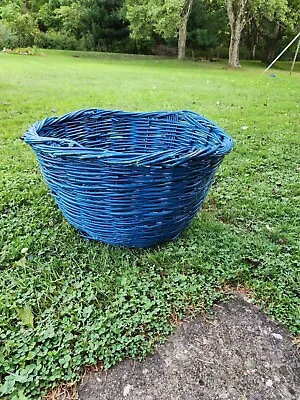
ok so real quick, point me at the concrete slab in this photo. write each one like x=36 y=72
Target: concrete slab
x=237 y=354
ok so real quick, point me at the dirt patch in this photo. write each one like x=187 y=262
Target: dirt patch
x=237 y=353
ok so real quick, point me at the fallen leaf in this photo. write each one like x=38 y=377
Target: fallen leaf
x=25 y=315
x=21 y=262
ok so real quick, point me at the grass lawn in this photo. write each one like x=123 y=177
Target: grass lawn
x=67 y=302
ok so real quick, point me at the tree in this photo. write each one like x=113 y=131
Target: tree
x=83 y=24
x=186 y=11
x=15 y=16
x=260 y=25
x=271 y=21
x=267 y=19
x=167 y=18
x=236 y=10
x=108 y=26
x=207 y=27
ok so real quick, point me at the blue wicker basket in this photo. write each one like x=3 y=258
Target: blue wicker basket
x=132 y=179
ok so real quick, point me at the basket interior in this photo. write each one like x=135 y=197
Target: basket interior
x=139 y=136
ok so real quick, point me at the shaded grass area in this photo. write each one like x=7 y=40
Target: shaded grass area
x=67 y=302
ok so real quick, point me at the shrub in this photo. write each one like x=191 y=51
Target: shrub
x=7 y=38
x=24 y=28
x=56 y=40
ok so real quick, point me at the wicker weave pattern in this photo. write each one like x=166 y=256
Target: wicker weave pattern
x=133 y=179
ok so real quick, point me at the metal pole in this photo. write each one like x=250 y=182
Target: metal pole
x=295 y=57
x=283 y=51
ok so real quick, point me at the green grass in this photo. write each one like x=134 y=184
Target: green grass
x=67 y=302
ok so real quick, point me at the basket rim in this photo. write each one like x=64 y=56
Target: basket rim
x=64 y=147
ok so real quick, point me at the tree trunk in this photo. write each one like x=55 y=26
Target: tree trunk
x=236 y=16
x=182 y=40
x=271 y=51
x=254 y=37
x=234 y=48
x=183 y=31
x=253 y=52
x=272 y=41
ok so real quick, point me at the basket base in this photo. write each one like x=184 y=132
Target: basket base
x=134 y=242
